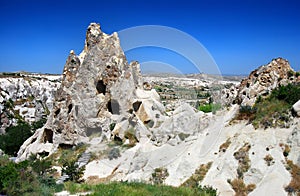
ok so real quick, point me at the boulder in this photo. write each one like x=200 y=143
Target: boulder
x=296 y=108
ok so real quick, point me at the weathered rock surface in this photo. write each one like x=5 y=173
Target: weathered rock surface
x=263 y=80
x=29 y=95
x=296 y=108
x=99 y=89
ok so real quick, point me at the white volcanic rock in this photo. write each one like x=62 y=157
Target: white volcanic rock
x=31 y=96
x=296 y=108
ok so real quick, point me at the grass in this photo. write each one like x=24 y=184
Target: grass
x=198 y=176
x=136 y=188
x=211 y=107
x=294 y=185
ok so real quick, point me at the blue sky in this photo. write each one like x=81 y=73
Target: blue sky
x=240 y=35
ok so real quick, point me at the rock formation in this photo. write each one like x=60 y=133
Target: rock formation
x=263 y=80
x=102 y=94
x=101 y=98
x=30 y=96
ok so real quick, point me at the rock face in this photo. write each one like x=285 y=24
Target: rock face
x=30 y=96
x=296 y=108
x=101 y=94
x=263 y=80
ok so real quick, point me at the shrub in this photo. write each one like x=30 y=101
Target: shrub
x=294 y=185
x=40 y=166
x=72 y=169
x=159 y=175
x=269 y=159
x=223 y=147
x=38 y=124
x=274 y=110
x=14 y=137
x=246 y=113
x=242 y=155
x=289 y=93
x=240 y=188
x=112 y=126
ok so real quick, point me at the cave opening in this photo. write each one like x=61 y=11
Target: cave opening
x=101 y=87
x=136 y=105
x=113 y=107
x=48 y=136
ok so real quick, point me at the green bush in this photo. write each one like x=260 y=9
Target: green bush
x=14 y=137
x=73 y=171
x=289 y=93
x=38 y=124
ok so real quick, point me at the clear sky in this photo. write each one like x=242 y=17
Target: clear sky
x=240 y=35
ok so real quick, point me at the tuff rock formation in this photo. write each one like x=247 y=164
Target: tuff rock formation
x=101 y=98
x=102 y=95
x=263 y=80
x=30 y=96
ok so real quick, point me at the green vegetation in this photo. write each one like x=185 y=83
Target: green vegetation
x=274 y=110
x=73 y=171
x=198 y=176
x=138 y=188
x=159 y=175
x=211 y=107
x=34 y=177
x=293 y=188
x=24 y=178
x=14 y=137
